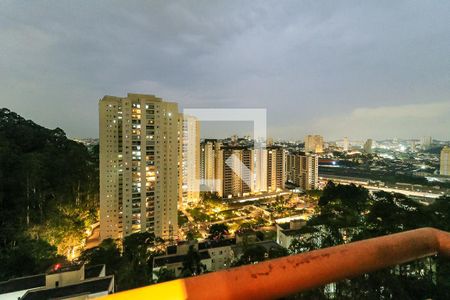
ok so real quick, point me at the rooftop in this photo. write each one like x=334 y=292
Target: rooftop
x=93 y=271
x=59 y=268
x=90 y=286
x=22 y=283
x=216 y=243
x=160 y=261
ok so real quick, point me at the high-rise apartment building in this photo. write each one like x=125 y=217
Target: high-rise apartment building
x=425 y=142
x=218 y=169
x=237 y=172
x=189 y=160
x=208 y=150
x=260 y=167
x=368 y=145
x=445 y=161
x=276 y=175
x=139 y=154
x=302 y=169
x=346 y=144
x=314 y=143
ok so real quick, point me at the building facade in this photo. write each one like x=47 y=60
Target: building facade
x=189 y=160
x=445 y=161
x=237 y=171
x=74 y=282
x=314 y=143
x=368 y=146
x=260 y=168
x=237 y=168
x=302 y=169
x=426 y=142
x=276 y=175
x=346 y=144
x=209 y=151
x=139 y=157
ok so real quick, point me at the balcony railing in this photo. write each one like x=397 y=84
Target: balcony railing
x=292 y=274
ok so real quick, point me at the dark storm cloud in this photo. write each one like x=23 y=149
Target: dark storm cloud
x=313 y=64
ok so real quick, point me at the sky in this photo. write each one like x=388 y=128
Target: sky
x=362 y=69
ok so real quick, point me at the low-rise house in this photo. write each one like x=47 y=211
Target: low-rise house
x=220 y=252
x=286 y=232
x=174 y=262
x=268 y=245
x=215 y=255
x=68 y=282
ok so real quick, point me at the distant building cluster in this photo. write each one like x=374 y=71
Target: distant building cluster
x=152 y=163
x=303 y=170
x=314 y=143
x=237 y=171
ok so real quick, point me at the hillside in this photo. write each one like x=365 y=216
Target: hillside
x=48 y=192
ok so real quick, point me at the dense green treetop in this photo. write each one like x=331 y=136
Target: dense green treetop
x=48 y=188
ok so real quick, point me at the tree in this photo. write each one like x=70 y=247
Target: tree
x=138 y=245
x=137 y=260
x=192 y=263
x=190 y=235
x=26 y=256
x=48 y=185
x=165 y=274
x=106 y=253
x=277 y=251
x=350 y=213
x=252 y=254
x=218 y=231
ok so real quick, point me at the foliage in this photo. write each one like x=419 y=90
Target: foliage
x=349 y=213
x=256 y=253
x=252 y=254
x=218 y=231
x=26 y=256
x=132 y=267
x=192 y=264
x=198 y=214
x=314 y=193
x=106 y=253
x=276 y=252
x=48 y=189
x=192 y=234
x=182 y=219
x=205 y=196
x=164 y=275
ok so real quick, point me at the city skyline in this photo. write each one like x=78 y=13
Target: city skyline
x=334 y=70
x=224 y=149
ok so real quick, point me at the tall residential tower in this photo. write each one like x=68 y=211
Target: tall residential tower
x=314 y=143
x=445 y=161
x=189 y=160
x=302 y=169
x=138 y=166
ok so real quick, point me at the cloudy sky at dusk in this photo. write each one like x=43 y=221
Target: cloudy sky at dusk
x=378 y=69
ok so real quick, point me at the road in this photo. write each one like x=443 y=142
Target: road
x=390 y=189
x=94 y=239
